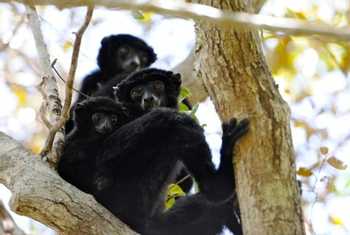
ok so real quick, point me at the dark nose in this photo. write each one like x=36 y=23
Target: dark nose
x=135 y=62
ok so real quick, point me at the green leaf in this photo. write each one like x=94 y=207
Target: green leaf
x=174 y=191
x=184 y=93
x=183 y=108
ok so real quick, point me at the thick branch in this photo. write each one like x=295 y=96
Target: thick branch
x=7 y=224
x=212 y=14
x=38 y=192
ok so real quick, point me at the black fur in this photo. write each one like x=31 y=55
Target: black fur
x=110 y=44
x=141 y=155
x=164 y=137
x=172 y=83
x=78 y=161
x=172 y=88
x=128 y=171
x=122 y=87
x=194 y=214
x=108 y=67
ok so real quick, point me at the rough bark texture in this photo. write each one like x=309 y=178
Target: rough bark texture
x=231 y=63
x=38 y=192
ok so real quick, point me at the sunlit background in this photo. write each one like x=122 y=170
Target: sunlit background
x=312 y=74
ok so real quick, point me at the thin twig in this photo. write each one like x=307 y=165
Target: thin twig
x=64 y=81
x=3 y=45
x=69 y=84
x=180 y=181
x=313 y=189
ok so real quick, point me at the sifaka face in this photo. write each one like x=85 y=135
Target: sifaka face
x=144 y=90
x=129 y=59
x=149 y=95
x=104 y=123
x=100 y=115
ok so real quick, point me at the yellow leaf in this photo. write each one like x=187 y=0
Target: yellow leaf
x=67 y=45
x=302 y=171
x=329 y=61
x=169 y=203
x=143 y=16
x=36 y=144
x=336 y=163
x=300 y=15
x=36 y=148
x=300 y=123
x=147 y=17
x=296 y=14
x=336 y=220
x=21 y=94
x=174 y=191
x=323 y=150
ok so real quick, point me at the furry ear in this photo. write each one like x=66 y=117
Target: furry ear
x=105 y=40
x=177 y=78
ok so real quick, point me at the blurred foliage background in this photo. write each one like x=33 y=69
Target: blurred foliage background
x=312 y=74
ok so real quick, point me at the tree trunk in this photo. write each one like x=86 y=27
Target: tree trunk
x=232 y=65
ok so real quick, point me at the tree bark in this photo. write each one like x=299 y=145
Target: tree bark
x=39 y=192
x=233 y=68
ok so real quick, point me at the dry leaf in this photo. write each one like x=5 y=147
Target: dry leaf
x=336 y=163
x=324 y=150
x=302 y=171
